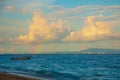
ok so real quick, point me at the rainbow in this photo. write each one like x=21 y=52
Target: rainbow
x=36 y=48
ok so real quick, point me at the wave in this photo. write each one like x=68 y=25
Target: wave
x=58 y=75
x=116 y=66
x=43 y=73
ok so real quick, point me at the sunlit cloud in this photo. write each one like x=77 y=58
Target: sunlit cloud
x=23 y=10
x=11 y=50
x=25 y=6
x=1 y=40
x=40 y=29
x=1 y=50
x=11 y=8
x=93 y=31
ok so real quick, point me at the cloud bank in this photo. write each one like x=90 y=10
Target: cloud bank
x=40 y=29
x=93 y=31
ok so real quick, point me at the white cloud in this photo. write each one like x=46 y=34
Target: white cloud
x=73 y=13
x=92 y=31
x=54 y=7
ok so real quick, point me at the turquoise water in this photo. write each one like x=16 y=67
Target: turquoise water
x=64 y=66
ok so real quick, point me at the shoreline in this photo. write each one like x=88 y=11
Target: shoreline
x=7 y=76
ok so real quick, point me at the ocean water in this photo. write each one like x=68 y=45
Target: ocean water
x=64 y=66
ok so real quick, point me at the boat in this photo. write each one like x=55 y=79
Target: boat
x=21 y=58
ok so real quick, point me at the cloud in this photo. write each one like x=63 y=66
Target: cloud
x=26 y=6
x=73 y=13
x=1 y=50
x=55 y=7
x=90 y=8
x=11 y=50
x=92 y=31
x=11 y=8
x=1 y=40
x=40 y=29
x=23 y=10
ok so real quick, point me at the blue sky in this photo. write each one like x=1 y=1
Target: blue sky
x=38 y=26
x=74 y=3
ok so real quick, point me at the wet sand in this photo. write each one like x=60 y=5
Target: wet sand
x=6 y=76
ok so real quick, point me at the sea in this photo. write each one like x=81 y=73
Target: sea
x=73 y=66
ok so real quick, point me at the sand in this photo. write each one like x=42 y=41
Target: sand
x=6 y=76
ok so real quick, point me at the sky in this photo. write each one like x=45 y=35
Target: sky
x=47 y=26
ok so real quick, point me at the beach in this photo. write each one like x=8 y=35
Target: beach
x=7 y=76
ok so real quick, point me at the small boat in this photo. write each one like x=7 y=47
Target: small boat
x=21 y=58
